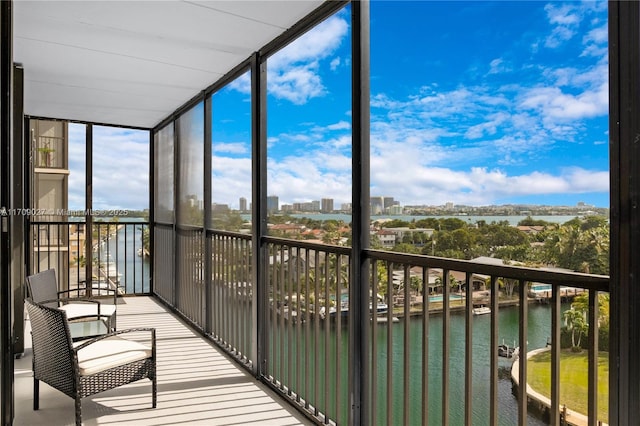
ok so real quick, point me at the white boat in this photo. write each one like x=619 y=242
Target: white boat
x=380 y=309
x=481 y=310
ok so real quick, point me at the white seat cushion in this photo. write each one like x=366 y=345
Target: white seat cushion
x=74 y=310
x=109 y=353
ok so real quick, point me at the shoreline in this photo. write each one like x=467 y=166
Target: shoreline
x=541 y=403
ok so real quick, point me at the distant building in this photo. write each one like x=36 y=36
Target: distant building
x=287 y=229
x=396 y=210
x=219 y=208
x=309 y=206
x=387 y=202
x=402 y=231
x=386 y=238
x=243 y=204
x=377 y=205
x=346 y=207
x=531 y=229
x=326 y=205
x=273 y=203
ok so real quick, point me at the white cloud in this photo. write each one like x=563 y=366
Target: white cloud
x=231 y=179
x=334 y=64
x=554 y=104
x=499 y=66
x=294 y=70
x=482 y=186
x=489 y=127
x=232 y=148
x=565 y=14
x=120 y=168
x=566 y=18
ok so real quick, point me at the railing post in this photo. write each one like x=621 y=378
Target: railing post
x=6 y=65
x=206 y=237
x=360 y=370
x=624 y=150
x=88 y=219
x=258 y=210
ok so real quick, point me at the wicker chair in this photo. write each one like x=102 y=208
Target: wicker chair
x=42 y=288
x=88 y=367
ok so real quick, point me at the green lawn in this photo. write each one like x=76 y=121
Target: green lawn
x=573 y=380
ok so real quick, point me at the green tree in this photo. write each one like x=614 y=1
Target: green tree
x=580 y=245
x=529 y=221
x=406 y=248
x=575 y=322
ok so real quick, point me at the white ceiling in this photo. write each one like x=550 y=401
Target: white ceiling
x=132 y=63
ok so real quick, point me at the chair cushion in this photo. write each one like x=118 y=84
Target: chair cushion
x=74 y=310
x=109 y=353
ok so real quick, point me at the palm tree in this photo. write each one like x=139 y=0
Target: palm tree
x=575 y=322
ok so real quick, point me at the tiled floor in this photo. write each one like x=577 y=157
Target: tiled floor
x=197 y=384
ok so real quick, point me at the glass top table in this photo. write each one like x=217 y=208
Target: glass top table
x=81 y=330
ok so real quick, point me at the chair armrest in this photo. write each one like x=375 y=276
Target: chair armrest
x=78 y=301
x=70 y=291
x=70 y=299
x=101 y=290
x=85 y=317
x=115 y=333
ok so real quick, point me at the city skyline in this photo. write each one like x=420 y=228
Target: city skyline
x=504 y=103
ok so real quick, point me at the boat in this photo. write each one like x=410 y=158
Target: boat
x=509 y=352
x=381 y=307
x=481 y=310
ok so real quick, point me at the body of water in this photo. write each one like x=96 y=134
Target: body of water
x=134 y=270
x=391 y=345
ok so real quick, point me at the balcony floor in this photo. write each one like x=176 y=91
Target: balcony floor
x=197 y=384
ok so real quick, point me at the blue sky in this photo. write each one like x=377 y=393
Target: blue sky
x=474 y=103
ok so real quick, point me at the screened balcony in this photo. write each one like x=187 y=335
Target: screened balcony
x=199 y=384
x=308 y=332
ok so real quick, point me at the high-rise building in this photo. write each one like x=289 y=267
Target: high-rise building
x=377 y=205
x=326 y=205
x=388 y=202
x=395 y=209
x=273 y=204
x=243 y=204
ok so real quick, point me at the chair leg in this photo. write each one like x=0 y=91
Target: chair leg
x=36 y=394
x=154 y=392
x=78 y=411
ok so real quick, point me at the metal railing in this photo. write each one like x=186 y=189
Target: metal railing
x=429 y=352
x=428 y=356
x=230 y=321
x=120 y=256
